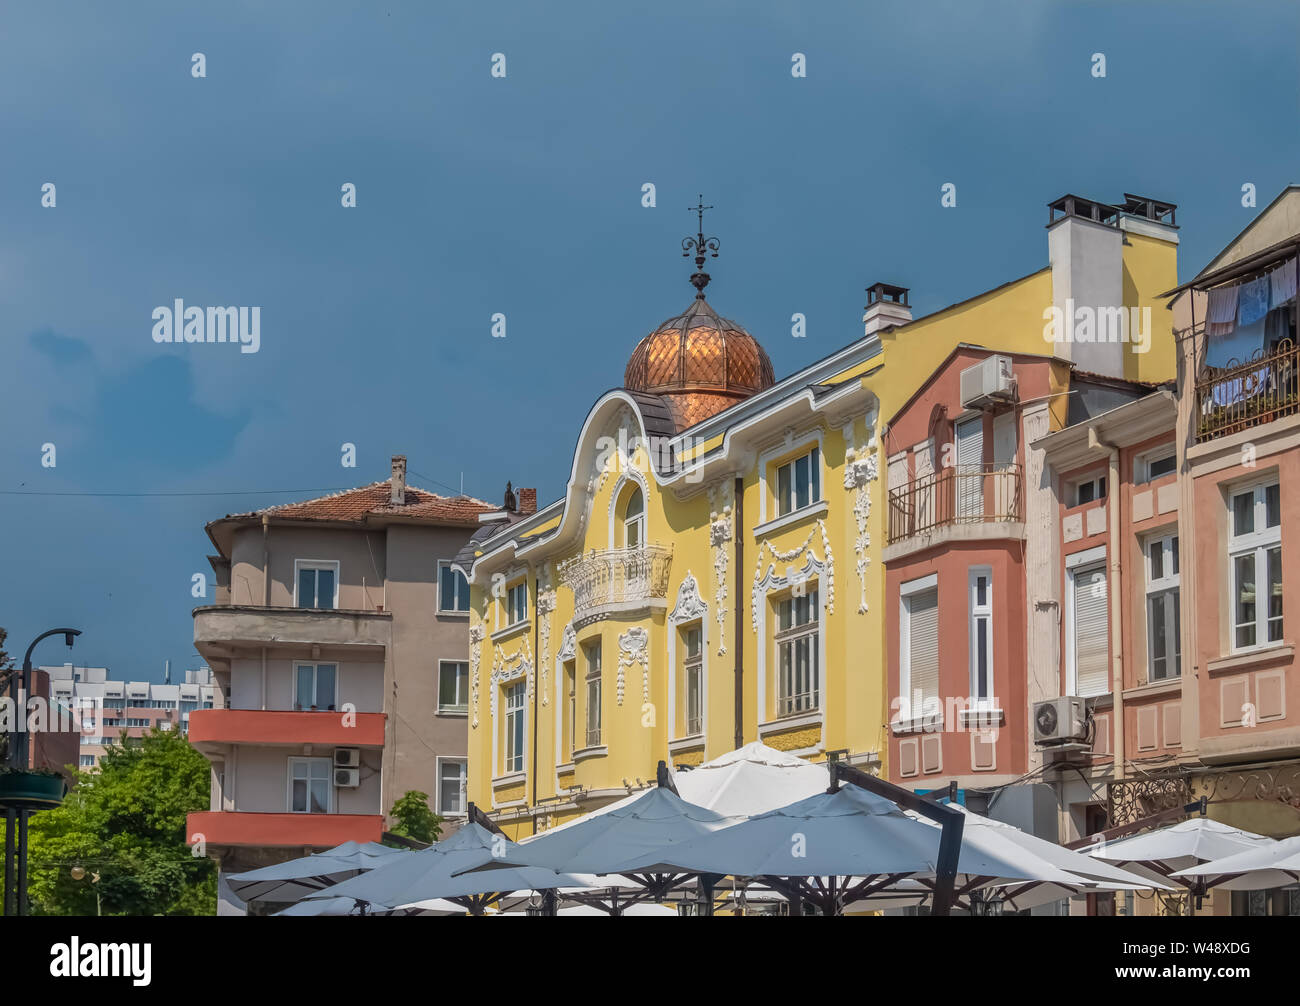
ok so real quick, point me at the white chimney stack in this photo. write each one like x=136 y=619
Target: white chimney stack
x=397 y=484
x=887 y=306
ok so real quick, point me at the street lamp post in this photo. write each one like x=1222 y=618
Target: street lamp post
x=15 y=895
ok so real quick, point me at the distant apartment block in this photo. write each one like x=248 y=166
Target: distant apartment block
x=132 y=708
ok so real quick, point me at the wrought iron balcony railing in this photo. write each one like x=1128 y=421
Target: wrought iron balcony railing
x=617 y=579
x=1244 y=395
x=964 y=494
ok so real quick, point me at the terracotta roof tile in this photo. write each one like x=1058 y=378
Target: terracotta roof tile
x=355 y=505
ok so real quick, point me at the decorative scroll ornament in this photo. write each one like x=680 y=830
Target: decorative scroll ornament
x=690 y=605
x=568 y=644
x=475 y=654
x=720 y=538
x=860 y=470
x=545 y=605
x=823 y=567
x=509 y=667
x=634 y=648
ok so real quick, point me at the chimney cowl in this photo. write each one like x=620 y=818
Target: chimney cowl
x=887 y=307
x=397 y=483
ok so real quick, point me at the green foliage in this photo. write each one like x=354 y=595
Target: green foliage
x=125 y=823
x=414 y=819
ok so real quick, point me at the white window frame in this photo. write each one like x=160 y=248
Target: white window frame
x=440 y=761
x=1258 y=543
x=590 y=677
x=1148 y=458
x=981 y=613
x=810 y=630
x=519 y=685
x=1099 y=493
x=1089 y=561
x=816 y=486
x=511 y=622
x=638 y=521
x=906 y=592
x=329 y=789
x=442 y=608
x=1161 y=587
x=463 y=708
x=338 y=685
x=693 y=665
x=330 y=564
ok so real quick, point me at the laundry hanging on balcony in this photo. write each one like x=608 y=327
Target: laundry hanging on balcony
x=1282 y=283
x=1222 y=316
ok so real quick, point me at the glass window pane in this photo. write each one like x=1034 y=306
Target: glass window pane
x=783 y=489
x=447 y=686
x=1244 y=575
x=306 y=588
x=304 y=694
x=325 y=686
x=1275 y=594
x=1272 y=506
x=299 y=795
x=1157 y=560
x=320 y=796
x=816 y=473
x=1243 y=513
x=982 y=657
x=324 y=588
x=1175 y=552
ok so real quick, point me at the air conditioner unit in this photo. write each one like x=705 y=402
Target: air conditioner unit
x=347 y=757
x=1060 y=721
x=991 y=380
x=347 y=778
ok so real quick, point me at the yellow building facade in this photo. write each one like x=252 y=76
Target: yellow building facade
x=711 y=576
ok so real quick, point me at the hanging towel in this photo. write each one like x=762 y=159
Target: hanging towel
x=1252 y=301
x=1221 y=316
x=1282 y=283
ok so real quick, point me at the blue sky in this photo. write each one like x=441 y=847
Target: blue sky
x=520 y=195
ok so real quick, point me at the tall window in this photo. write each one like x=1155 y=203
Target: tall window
x=634 y=520
x=309 y=785
x=317 y=584
x=453 y=686
x=797 y=654
x=1163 y=648
x=981 y=636
x=570 y=709
x=919 y=646
x=517 y=603
x=591 y=654
x=514 y=760
x=453 y=589
x=314 y=686
x=1255 y=553
x=693 y=672
x=1087 y=632
x=799 y=482
x=451 y=787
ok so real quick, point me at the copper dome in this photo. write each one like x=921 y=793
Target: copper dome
x=700 y=363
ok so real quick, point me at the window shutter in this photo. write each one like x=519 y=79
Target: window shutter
x=1091 y=649
x=923 y=648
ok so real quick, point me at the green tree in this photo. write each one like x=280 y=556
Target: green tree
x=124 y=823
x=414 y=819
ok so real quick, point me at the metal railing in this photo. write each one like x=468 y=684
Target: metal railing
x=616 y=577
x=963 y=494
x=1242 y=395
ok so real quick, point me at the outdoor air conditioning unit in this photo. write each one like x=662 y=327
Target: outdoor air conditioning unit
x=347 y=778
x=347 y=757
x=991 y=380
x=1060 y=721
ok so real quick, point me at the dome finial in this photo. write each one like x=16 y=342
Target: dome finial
x=701 y=246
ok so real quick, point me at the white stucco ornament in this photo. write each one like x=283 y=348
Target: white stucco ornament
x=634 y=648
x=507 y=668
x=475 y=655
x=822 y=567
x=860 y=470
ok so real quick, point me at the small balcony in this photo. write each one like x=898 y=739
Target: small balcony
x=617 y=580
x=212 y=728
x=1244 y=395
x=318 y=831
x=220 y=630
x=984 y=498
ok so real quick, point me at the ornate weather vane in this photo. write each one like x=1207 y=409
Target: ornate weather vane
x=702 y=247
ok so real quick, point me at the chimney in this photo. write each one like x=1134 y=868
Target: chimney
x=1085 y=246
x=886 y=306
x=397 y=484
x=527 y=502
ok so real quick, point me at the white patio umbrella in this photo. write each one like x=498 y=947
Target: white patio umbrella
x=1256 y=869
x=348 y=906
x=296 y=878
x=432 y=873
x=1160 y=853
x=751 y=780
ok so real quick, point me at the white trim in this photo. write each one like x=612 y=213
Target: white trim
x=1142 y=463
x=329 y=779
x=987 y=613
x=451 y=612
x=1086 y=557
x=919 y=584
x=689 y=609
x=773 y=583
x=463 y=762
x=907 y=591
x=812 y=510
x=629 y=475
x=315 y=663
x=437 y=702
x=316 y=564
x=503 y=720
x=1257 y=543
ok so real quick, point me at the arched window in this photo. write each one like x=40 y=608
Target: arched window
x=634 y=520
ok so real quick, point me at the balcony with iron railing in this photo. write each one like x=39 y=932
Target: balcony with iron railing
x=945 y=502
x=617 y=580
x=1245 y=394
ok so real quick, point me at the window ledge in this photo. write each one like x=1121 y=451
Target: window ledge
x=1155 y=687
x=981 y=717
x=511 y=779
x=688 y=743
x=918 y=725
x=818 y=509
x=511 y=630
x=451 y=614
x=795 y=722
x=452 y=712
x=564 y=768
x=1250 y=659
x=582 y=754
